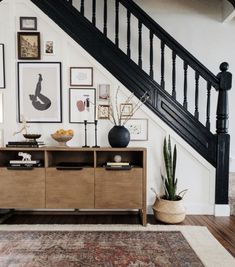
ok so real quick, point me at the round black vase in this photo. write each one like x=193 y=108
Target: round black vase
x=119 y=136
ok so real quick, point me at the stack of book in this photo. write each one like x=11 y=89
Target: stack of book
x=32 y=144
x=118 y=165
x=24 y=163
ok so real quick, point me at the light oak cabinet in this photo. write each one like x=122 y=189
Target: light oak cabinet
x=89 y=186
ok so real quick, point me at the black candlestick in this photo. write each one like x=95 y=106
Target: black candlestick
x=85 y=123
x=96 y=122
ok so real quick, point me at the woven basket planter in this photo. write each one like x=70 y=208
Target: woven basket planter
x=169 y=211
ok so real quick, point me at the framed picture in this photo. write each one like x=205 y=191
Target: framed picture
x=2 y=66
x=126 y=109
x=29 y=45
x=82 y=105
x=103 y=111
x=138 y=129
x=49 y=48
x=81 y=76
x=104 y=91
x=28 y=23
x=1 y=107
x=39 y=91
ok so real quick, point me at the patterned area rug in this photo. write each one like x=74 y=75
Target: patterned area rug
x=67 y=249
x=110 y=245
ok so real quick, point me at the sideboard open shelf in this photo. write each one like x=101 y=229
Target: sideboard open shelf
x=89 y=186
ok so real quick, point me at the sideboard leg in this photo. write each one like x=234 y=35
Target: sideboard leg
x=143 y=216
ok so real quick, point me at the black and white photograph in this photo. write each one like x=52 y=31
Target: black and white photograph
x=29 y=45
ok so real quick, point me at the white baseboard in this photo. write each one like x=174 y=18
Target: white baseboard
x=222 y=210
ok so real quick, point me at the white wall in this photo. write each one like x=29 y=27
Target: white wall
x=205 y=29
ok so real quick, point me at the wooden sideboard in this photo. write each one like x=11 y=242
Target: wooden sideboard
x=90 y=187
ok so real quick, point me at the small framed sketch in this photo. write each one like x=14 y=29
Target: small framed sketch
x=103 y=111
x=28 y=23
x=126 y=110
x=81 y=76
x=138 y=129
x=39 y=91
x=2 y=66
x=104 y=91
x=49 y=48
x=29 y=45
x=82 y=103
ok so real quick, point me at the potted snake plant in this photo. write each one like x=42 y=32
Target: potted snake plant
x=169 y=208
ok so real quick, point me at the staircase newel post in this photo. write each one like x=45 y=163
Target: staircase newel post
x=223 y=138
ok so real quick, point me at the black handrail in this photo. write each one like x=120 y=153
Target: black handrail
x=185 y=55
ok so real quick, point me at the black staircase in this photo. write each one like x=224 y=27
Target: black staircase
x=213 y=147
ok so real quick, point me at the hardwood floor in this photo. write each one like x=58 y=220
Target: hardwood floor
x=223 y=228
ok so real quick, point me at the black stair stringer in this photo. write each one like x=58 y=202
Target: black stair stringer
x=131 y=76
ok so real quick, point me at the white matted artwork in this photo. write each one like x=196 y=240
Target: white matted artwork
x=39 y=91
x=49 y=48
x=104 y=91
x=2 y=66
x=1 y=107
x=82 y=105
x=138 y=129
x=81 y=76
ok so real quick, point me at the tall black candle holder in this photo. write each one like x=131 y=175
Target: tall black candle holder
x=85 y=124
x=96 y=122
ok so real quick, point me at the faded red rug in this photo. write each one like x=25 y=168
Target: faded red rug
x=95 y=248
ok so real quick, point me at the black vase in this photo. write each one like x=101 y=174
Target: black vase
x=119 y=136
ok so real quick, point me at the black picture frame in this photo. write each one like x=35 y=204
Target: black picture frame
x=2 y=67
x=29 y=45
x=47 y=75
x=28 y=23
x=79 y=115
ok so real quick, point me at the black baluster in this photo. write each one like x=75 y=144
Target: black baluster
x=94 y=12
x=151 y=54
x=208 y=106
x=162 y=65
x=128 y=33
x=105 y=17
x=117 y=23
x=185 y=104
x=173 y=74
x=140 y=44
x=196 y=113
x=82 y=7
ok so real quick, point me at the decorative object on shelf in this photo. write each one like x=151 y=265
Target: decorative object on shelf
x=32 y=137
x=39 y=91
x=119 y=136
x=96 y=122
x=104 y=91
x=28 y=23
x=29 y=45
x=2 y=66
x=49 y=48
x=85 y=124
x=103 y=111
x=25 y=156
x=169 y=207
x=126 y=110
x=117 y=158
x=138 y=129
x=24 y=127
x=63 y=136
x=82 y=103
x=81 y=76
